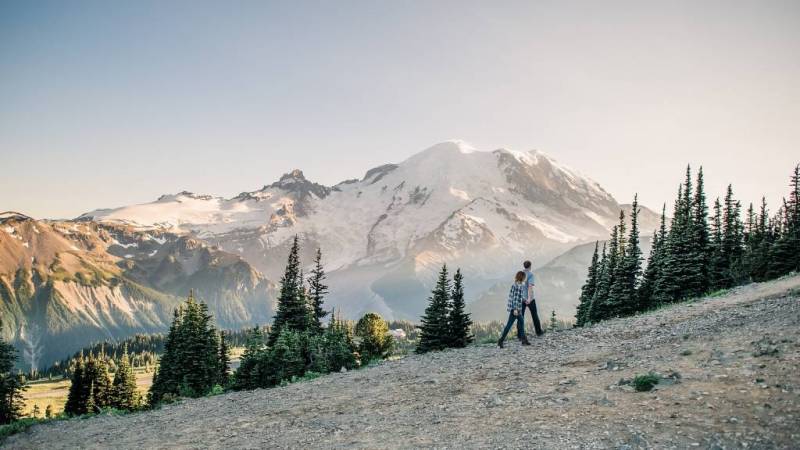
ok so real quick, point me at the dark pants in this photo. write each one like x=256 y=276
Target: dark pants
x=536 y=324
x=520 y=325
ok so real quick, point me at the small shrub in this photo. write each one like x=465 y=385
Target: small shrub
x=644 y=383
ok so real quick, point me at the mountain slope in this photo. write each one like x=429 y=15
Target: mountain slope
x=731 y=368
x=386 y=234
x=66 y=284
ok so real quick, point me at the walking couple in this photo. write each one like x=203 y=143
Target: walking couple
x=519 y=298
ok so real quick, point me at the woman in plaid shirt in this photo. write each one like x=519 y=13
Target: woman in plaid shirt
x=516 y=296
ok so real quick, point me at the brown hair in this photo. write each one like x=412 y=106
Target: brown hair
x=519 y=277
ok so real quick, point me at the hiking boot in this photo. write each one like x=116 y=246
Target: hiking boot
x=500 y=343
x=525 y=341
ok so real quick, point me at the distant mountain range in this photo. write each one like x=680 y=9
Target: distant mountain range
x=112 y=272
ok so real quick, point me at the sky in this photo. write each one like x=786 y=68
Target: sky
x=104 y=104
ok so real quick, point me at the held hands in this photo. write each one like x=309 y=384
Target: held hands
x=516 y=312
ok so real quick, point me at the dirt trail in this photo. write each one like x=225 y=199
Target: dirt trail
x=738 y=358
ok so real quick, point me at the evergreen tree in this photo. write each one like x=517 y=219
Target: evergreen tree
x=76 y=399
x=124 y=394
x=48 y=411
x=785 y=253
x=762 y=243
x=246 y=376
x=190 y=363
x=285 y=359
x=593 y=314
x=334 y=350
x=99 y=383
x=317 y=291
x=434 y=327
x=293 y=311
x=654 y=263
x=587 y=290
x=698 y=258
x=224 y=361
x=604 y=304
x=732 y=240
x=677 y=246
x=11 y=385
x=717 y=264
x=553 y=321
x=459 y=320
x=630 y=267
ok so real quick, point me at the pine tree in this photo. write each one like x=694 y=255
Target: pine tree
x=593 y=314
x=224 y=361
x=717 y=272
x=48 y=411
x=11 y=385
x=646 y=292
x=293 y=311
x=732 y=240
x=246 y=376
x=96 y=379
x=587 y=290
x=76 y=399
x=762 y=244
x=668 y=287
x=698 y=257
x=317 y=291
x=434 y=325
x=785 y=253
x=630 y=267
x=124 y=394
x=459 y=320
x=190 y=363
x=609 y=307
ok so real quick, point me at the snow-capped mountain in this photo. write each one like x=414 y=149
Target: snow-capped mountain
x=385 y=235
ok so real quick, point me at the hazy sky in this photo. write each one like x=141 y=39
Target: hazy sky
x=110 y=103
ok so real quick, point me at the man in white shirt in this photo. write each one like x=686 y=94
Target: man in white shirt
x=530 y=302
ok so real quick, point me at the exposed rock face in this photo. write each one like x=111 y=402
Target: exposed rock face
x=66 y=284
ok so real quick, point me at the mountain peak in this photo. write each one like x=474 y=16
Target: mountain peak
x=13 y=215
x=297 y=183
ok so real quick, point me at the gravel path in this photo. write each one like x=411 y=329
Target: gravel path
x=733 y=364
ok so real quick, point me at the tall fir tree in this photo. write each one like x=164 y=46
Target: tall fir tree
x=618 y=294
x=434 y=326
x=76 y=399
x=459 y=320
x=12 y=385
x=785 y=253
x=293 y=312
x=190 y=363
x=224 y=361
x=698 y=257
x=652 y=272
x=668 y=287
x=717 y=272
x=588 y=289
x=732 y=240
x=246 y=376
x=596 y=308
x=317 y=291
x=124 y=395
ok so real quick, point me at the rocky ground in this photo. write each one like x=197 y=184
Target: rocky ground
x=730 y=368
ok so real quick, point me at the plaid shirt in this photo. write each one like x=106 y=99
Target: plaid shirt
x=516 y=296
